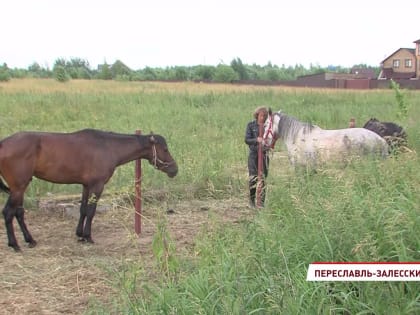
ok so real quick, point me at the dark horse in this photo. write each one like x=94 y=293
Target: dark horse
x=87 y=157
x=385 y=129
x=393 y=134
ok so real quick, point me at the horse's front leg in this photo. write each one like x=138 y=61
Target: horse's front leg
x=83 y=207
x=90 y=213
x=96 y=192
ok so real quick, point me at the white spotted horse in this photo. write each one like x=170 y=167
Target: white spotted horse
x=311 y=146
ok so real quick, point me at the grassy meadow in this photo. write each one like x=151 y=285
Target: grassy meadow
x=368 y=211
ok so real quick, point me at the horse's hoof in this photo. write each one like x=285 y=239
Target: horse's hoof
x=32 y=244
x=86 y=240
x=16 y=248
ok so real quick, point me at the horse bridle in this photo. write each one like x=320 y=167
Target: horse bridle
x=156 y=160
x=270 y=131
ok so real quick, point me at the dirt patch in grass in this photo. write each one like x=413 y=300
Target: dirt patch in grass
x=62 y=276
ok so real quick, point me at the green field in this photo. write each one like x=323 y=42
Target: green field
x=368 y=211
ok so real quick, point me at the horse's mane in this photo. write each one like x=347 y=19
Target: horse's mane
x=289 y=127
x=116 y=135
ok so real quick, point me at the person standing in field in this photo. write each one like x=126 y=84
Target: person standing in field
x=252 y=139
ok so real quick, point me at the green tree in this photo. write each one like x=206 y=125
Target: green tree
x=36 y=71
x=147 y=74
x=273 y=74
x=77 y=68
x=225 y=74
x=104 y=72
x=35 y=68
x=83 y=73
x=60 y=62
x=120 y=69
x=181 y=73
x=240 y=69
x=203 y=73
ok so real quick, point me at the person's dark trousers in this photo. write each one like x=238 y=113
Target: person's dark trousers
x=253 y=177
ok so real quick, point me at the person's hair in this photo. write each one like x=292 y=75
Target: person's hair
x=260 y=109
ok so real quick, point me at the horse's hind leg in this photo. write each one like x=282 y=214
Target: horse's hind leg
x=9 y=214
x=13 y=209
x=20 y=216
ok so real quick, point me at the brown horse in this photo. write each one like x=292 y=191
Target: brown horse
x=87 y=157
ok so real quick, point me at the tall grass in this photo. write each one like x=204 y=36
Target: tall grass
x=368 y=211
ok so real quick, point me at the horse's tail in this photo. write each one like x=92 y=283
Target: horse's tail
x=3 y=186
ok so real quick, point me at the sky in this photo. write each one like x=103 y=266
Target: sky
x=165 y=33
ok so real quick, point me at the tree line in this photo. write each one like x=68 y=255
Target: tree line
x=77 y=68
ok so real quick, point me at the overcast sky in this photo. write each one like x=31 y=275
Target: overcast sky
x=161 y=33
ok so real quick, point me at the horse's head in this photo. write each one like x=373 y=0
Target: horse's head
x=370 y=123
x=161 y=158
x=270 y=129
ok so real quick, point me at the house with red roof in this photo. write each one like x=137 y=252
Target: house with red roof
x=404 y=63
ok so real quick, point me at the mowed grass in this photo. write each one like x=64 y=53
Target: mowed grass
x=368 y=211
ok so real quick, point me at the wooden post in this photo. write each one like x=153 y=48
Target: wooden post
x=260 y=167
x=137 y=200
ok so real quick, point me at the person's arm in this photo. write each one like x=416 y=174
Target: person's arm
x=250 y=138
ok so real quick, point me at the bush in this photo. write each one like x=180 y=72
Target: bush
x=4 y=76
x=60 y=74
x=399 y=97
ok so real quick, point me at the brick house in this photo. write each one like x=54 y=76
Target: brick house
x=402 y=64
